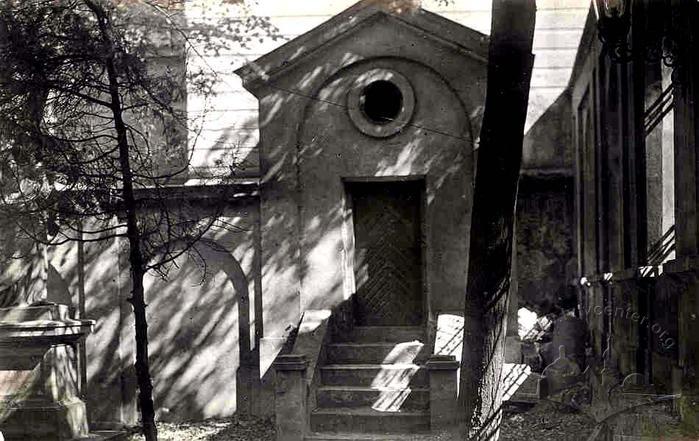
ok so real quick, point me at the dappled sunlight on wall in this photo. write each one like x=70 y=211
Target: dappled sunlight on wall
x=105 y=348
x=57 y=288
x=22 y=273
x=450 y=335
x=324 y=240
x=558 y=30
x=526 y=320
x=436 y=143
x=194 y=334
x=280 y=264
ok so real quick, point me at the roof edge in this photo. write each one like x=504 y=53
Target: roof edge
x=469 y=41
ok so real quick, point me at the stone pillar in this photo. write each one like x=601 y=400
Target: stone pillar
x=290 y=397
x=443 y=391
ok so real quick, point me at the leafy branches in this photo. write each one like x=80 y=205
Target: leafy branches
x=59 y=158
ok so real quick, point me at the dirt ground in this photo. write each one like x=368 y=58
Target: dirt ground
x=546 y=422
x=234 y=429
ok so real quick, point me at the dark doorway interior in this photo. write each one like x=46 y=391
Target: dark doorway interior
x=388 y=253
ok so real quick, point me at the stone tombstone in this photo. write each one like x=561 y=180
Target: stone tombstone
x=39 y=390
x=559 y=376
x=367 y=134
x=570 y=332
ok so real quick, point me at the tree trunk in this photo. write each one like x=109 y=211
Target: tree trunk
x=136 y=261
x=510 y=62
x=145 y=385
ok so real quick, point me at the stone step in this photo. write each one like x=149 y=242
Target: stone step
x=369 y=334
x=383 y=353
x=638 y=438
x=367 y=420
x=374 y=375
x=106 y=435
x=377 y=398
x=328 y=436
x=98 y=435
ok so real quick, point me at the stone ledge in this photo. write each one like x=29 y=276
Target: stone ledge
x=104 y=436
x=41 y=332
x=622 y=276
x=442 y=363
x=687 y=264
x=291 y=362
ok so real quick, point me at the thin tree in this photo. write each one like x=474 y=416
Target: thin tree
x=92 y=134
x=510 y=63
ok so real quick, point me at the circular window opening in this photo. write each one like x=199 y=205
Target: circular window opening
x=381 y=102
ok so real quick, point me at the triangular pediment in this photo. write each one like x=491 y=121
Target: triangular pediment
x=440 y=31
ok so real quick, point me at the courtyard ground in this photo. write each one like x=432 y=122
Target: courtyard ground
x=233 y=429
x=543 y=422
x=546 y=422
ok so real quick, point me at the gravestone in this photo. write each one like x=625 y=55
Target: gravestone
x=39 y=387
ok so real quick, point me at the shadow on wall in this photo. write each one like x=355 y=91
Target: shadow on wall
x=330 y=147
x=22 y=274
x=194 y=330
x=200 y=366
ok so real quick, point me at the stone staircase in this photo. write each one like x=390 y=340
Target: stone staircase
x=373 y=386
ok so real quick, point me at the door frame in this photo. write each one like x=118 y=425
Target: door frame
x=349 y=283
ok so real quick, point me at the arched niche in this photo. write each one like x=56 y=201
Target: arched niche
x=195 y=322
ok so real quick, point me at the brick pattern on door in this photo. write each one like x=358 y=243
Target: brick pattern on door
x=388 y=270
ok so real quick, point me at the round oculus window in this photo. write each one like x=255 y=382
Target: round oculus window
x=381 y=103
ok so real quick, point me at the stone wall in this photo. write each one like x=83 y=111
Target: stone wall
x=204 y=323
x=545 y=253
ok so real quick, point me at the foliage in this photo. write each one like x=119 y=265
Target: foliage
x=60 y=166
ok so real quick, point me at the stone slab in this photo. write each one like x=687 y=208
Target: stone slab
x=375 y=397
x=104 y=435
x=374 y=375
x=368 y=420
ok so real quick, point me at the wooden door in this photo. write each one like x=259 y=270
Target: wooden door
x=388 y=267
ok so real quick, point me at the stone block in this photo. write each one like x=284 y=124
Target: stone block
x=367 y=420
x=513 y=349
x=376 y=353
x=290 y=397
x=390 y=398
x=570 y=332
x=443 y=391
x=393 y=376
x=39 y=380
